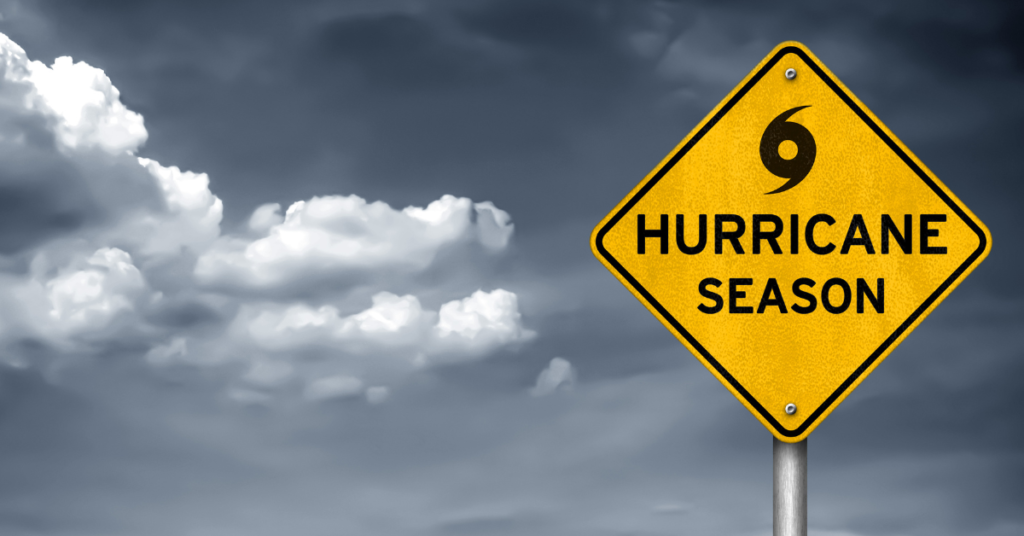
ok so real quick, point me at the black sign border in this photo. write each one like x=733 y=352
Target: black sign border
x=983 y=241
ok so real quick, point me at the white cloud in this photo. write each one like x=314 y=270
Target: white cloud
x=86 y=299
x=88 y=303
x=266 y=217
x=85 y=185
x=395 y=325
x=558 y=374
x=345 y=233
x=144 y=263
x=86 y=107
x=94 y=289
x=494 y=226
x=193 y=213
x=480 y=322
x=392 y=321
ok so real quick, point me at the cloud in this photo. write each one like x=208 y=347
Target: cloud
x=65 y=144
x=392 y=321
x=266 y=217
x=193 y=213
x=139 y=262
x=479 y=323
x=85 y=107
x=87 y=299
x=559 y=374
x=88 y=303
x=345 y=233
x=395 y=335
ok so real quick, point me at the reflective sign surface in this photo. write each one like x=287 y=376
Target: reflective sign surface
x=790 y=241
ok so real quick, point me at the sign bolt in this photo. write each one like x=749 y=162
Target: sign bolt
x=790 y=73
x=790 y=409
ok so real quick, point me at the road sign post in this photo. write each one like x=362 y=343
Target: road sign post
x=791 y=242
x=789 y=488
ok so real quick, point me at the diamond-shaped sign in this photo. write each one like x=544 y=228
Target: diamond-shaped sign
x=791 y=242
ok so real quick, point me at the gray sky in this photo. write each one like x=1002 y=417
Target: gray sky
x=183 y=357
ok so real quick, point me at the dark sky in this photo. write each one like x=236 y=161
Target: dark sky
x=184 y=364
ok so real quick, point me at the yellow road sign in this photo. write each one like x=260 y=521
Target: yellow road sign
x=790 y=241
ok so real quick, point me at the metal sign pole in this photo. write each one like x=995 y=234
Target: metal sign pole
x=790 y=488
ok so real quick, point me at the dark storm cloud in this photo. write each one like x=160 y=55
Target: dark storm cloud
x=397 y=52
x=451 y=99
x=570 y=43
x=553 y=110
x=969 y=40
x=505 y=91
